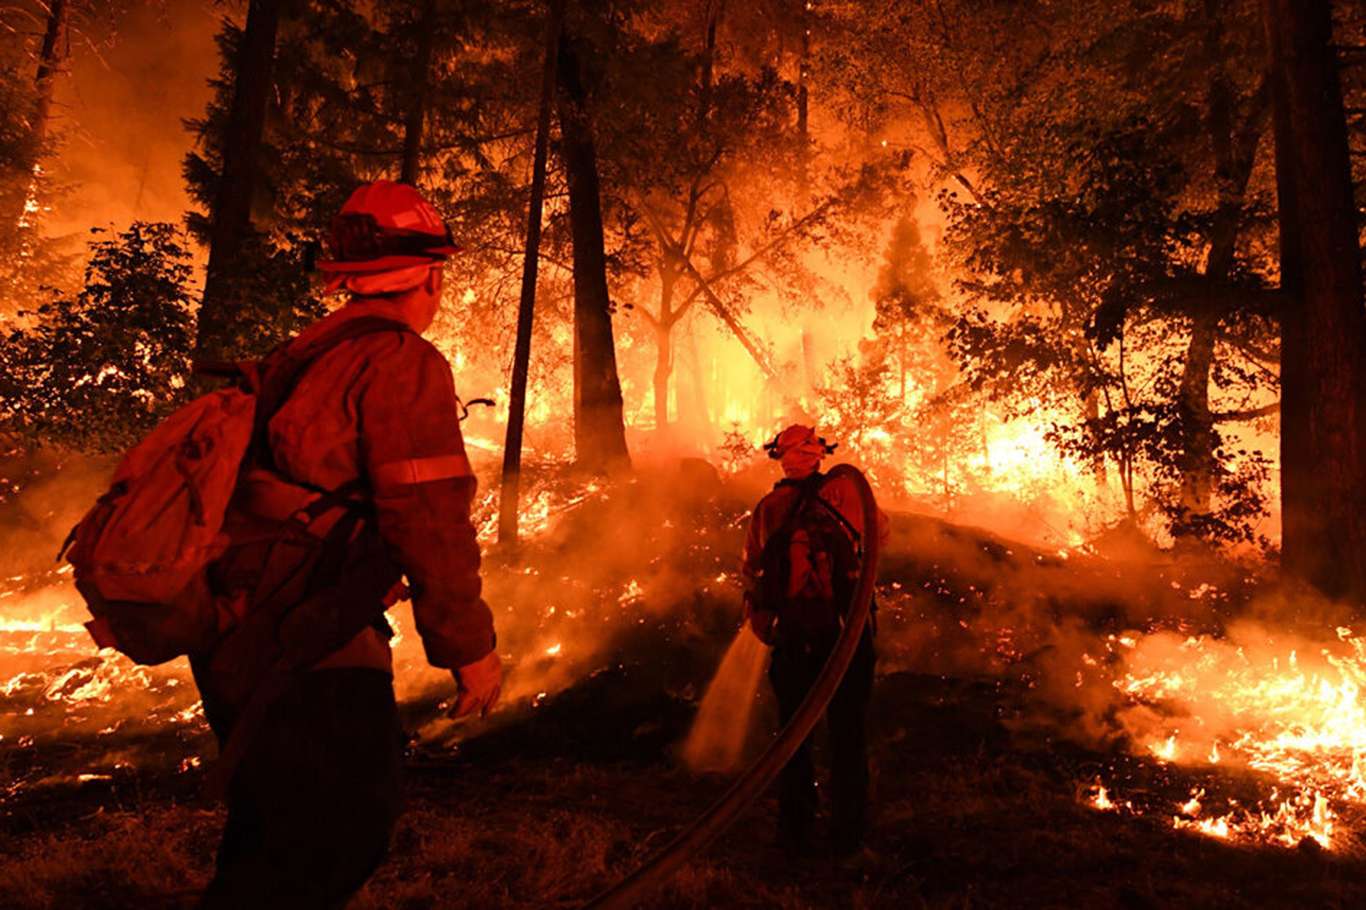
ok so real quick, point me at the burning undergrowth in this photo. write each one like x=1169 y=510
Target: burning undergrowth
x=1253 y=702
x=1207 y=698
x=71 y=716
x=623 y=597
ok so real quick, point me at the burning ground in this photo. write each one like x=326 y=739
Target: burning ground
x=1051 y=728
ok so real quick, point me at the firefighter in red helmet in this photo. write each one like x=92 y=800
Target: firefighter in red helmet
x=800 y=566
x=314 y=798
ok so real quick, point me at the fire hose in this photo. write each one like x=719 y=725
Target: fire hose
x=633 y=889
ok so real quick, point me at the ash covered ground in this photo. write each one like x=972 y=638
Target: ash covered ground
x=1023 y=754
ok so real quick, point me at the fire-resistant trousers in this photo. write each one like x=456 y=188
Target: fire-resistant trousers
x=793 y=671
x=315 y=799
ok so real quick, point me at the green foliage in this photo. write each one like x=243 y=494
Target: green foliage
x=1110 y=216
x=17 y=153
x=862 y=410
x=95 y=371
x=906 y=291
x=344 y=81
x=273 y=298
x=711 y=162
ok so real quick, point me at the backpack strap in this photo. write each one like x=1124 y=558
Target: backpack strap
x=806 y=490
x=810 y=492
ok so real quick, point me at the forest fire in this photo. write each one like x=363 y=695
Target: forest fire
x=564 y=414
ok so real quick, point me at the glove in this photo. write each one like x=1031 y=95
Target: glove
x=477 y=686
x=764 y=625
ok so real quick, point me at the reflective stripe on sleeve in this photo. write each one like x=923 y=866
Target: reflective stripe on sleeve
x=412 y=471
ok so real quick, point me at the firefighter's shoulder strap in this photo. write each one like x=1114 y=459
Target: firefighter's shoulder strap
x=807 y=490
x=854 y=536
x=773 y=556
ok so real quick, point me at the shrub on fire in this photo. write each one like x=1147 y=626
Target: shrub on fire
x=95 y=370
x=911 y=432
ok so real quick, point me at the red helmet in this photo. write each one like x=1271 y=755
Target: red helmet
x=798 y=437
x=386 y=226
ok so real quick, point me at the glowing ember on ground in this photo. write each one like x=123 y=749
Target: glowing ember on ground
x=1292 y=711
x=632 y=592
x=1101 y=799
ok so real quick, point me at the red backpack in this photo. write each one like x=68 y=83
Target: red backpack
x=142 y=553
x=809 y=564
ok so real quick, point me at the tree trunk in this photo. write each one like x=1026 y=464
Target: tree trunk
x=698 y=414
x=948 y=493
x=238 y=183
x=1090 y=404
x=718 y=306
x=599 y=424
x=810 y=368
x=1323 y=326
x=1197 y=424
x=509 y=498
x=1235 y=146
x=49 y=59
x=803 y=105
x=417 y=108
x=901 y=355
x=44 y=85
x=664 y=327
x=663 y=369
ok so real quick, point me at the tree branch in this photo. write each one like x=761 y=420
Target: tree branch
x=726 y=316
x=1265 y=410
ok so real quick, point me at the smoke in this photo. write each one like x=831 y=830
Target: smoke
x=1056 y=621
x=121 y=108
x=42 y=495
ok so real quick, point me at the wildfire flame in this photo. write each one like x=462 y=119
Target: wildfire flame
x=1292 y=714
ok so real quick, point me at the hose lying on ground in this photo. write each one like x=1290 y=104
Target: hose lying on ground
x=633 y=889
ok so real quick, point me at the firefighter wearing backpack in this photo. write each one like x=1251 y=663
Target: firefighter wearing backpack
x=800 y=567
x=372 y=413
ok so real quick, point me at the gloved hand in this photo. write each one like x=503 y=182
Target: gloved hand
x=477 y=686
x=764 y=625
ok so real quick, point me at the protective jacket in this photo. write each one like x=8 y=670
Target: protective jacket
x=381 y=409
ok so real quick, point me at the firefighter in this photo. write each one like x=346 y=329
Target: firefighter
x=800 y=565
x=314 y=799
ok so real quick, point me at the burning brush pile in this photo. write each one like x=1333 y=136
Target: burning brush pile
x=1223 y=726
x=76 y=720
